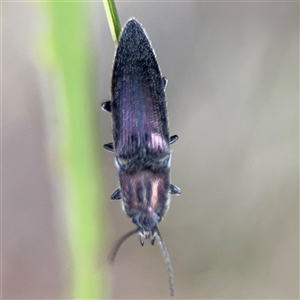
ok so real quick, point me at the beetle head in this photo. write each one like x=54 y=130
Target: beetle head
x=146 y=222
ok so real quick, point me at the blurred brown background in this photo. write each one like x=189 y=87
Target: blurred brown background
x=233 y=92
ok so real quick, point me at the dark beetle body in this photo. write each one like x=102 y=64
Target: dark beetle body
x=141 y=140
x=140 y=129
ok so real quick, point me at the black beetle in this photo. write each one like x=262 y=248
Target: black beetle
x=141 y=140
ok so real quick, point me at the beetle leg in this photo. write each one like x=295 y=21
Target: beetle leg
x=116 y=195
x=165 y=82
x=109 y=147
x=141 y=240
x=174 y=190
x=173 y=139
x=106 y=106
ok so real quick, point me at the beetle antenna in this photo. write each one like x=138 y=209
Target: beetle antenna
x=115 y=249
x=168 y=261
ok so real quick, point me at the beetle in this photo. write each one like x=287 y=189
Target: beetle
x=141 y=140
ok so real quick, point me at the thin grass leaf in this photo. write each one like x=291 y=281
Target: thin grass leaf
x=77 y=145
x=113 y=20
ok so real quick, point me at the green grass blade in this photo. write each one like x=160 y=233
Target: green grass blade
x=77 y=144
x=113 y=20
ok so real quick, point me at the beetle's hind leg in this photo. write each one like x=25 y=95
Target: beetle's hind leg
x=109 y=147
x=106 y=106
x=165 y=82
